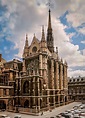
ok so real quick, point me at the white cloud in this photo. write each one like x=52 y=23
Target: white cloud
x=26 y=17
x=67 y=50
x=76 y=73
x=83 y=51
x=82 y=30
x=76 y=12
x=83 y=42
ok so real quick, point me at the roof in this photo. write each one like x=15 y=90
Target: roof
x=14 y=60
x=76 y=79
x=2 y=62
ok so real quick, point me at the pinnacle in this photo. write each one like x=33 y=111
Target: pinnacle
x=26 y=42
x=43 y=34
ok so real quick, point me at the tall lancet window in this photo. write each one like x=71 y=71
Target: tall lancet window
x=26 y=87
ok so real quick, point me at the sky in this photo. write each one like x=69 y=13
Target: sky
x=21 y=17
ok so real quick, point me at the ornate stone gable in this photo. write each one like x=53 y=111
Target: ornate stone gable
x=35 y=46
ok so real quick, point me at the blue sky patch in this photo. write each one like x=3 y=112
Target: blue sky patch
x=78 y=36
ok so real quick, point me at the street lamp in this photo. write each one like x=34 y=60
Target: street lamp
x=44 y=86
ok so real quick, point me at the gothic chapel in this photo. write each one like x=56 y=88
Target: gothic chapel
x=42 y=84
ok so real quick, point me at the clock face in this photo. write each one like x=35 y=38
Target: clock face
x=34 y=49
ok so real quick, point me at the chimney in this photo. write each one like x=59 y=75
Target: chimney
x=0 y=57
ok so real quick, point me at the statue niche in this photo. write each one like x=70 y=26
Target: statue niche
x=26 y=87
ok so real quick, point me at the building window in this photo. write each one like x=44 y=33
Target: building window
x=34 y=49
x=79 y=90
x=83 y=90
x=26 y=87
x=72 y=91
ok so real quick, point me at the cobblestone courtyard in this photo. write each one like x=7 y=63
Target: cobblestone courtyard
x=54 y=112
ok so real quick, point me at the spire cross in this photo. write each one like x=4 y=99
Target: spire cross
x=50 y=4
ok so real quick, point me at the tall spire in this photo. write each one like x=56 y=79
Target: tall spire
x=50 y=40
x=49 y=20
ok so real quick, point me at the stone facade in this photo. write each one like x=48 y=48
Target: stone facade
x=9 y=71
x=76 y=89
x=42 y=84
x=2 y=61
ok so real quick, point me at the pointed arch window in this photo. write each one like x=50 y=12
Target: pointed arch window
x=26 y=87
x=34 y=49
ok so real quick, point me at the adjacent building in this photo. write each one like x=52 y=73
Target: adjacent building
x=76 y=88
x=8 y=73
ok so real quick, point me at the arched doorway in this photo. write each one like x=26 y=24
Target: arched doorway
x=26 y=104
x=2 y=105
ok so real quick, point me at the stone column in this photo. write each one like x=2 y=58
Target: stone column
x=61 y=76
x=57 y=76
x=1 y=92
x=29 y=92
x=82 y=90
x=64 y=99
x=29 y=72
x=66 y=82
x=78 y=90
x=7 y=92
x=45 y=70
x=17 y=74
x=13 y=103
x=54 y=97
x=34 y=92
x=46 y=77
x=24 y=67
x=52 y=74
x=38 y=95
x=48 y=99
x=40 y=64
x=58 y=99
x=52 y=80
x=20 y=85
x=64 y=77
